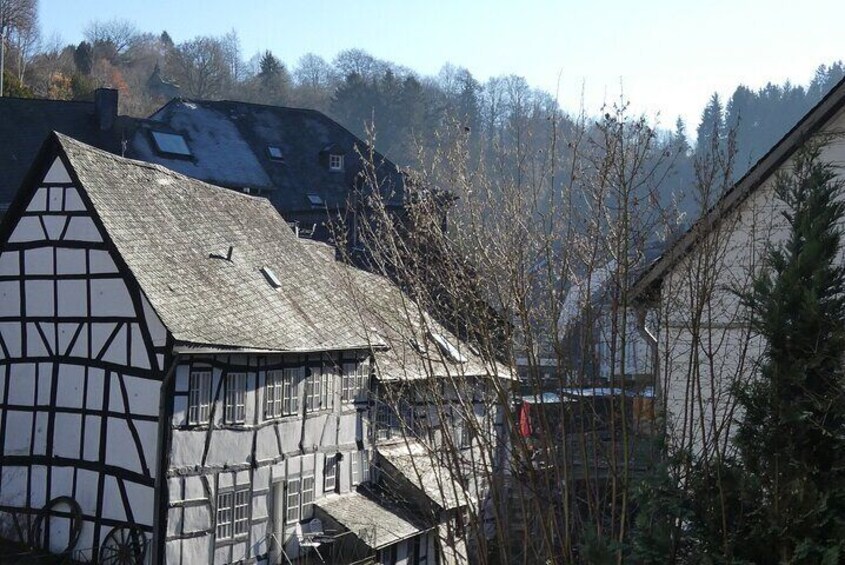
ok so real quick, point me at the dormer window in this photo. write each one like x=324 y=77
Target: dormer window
x=335 y=162
x=171 y=144
x=275 y=153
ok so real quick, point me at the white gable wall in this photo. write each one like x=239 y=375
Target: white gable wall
x=81 y=357
x=704 y=342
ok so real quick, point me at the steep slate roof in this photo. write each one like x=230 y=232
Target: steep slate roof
x=165 y=226
x=229 y=144
x=811 y=123
x=389 y=315
x=25 y=123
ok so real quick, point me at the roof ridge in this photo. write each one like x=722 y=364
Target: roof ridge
x=258 y=105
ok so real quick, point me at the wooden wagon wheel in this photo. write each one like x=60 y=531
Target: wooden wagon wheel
x=124 y=545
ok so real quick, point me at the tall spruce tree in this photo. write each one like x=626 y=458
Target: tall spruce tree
x=791 y=440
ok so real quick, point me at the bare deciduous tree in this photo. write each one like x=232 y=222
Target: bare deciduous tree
x=200 y=67
x=16 y=16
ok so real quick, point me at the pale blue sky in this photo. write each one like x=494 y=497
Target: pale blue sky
x=668 y=56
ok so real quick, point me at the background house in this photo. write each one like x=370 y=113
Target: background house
x=309 y=166
x=306 y=164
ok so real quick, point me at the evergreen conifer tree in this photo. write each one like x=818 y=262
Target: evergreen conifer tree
x=791 y=439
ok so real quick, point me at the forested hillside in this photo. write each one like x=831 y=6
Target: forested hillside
x=507 y=124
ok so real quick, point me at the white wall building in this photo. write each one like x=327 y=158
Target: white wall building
x=704 y=343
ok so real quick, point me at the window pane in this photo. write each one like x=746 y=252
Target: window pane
x=365 y=466
x=235 y=395
x=171 y=143
x=330 y=474
x=307 y=497
x=292 y=499
x=355 y=466
x=224 y=515
x=199 y=390
x=241 y=511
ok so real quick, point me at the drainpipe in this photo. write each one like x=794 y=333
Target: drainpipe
x=651 y=339
x=162 y=462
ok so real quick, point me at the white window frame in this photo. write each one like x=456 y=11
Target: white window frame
x=466 y=435
x=355 y=381
x=232 y=516
x=360 y=467
x=327 y=388
x=365 y=465
x=235 y=410
x=312 y=390
x=273 y=394
x=225 y=518
x=308 y=495
x=293 y=500
x=290 y=393
x=330 y=473
x=319 y=389
x=241 y=511
x=347 y=392
x=335 y=162
x=281 y=392
x=199 y=396
x=355 y=468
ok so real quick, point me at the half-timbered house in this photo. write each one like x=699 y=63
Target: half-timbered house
x=181 y=377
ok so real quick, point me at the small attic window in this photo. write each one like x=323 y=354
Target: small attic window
x=335 y=162
x=171 y=143
x=275 y=153
x=271 y=277
x=316 y=200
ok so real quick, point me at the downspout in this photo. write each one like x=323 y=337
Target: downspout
x=651 y=340
x=162 y=462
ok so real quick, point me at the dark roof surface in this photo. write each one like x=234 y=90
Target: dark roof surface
x=229 y=143
x=165 y=226
x=808 y=125
x=25 y=123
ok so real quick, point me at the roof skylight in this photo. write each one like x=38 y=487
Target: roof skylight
x=171 y=143
x=271 y=277
x=316 y=200
x=447 y=349
x=275 y=153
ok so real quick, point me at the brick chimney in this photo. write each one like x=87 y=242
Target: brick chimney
x=105 y=107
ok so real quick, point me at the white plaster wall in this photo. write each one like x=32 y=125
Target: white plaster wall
x=56 y=362
x=697 y=371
